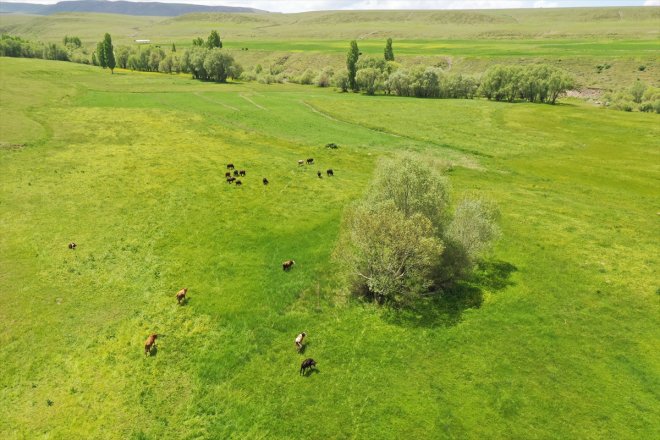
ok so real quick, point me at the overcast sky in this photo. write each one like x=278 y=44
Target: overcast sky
x=316 y=5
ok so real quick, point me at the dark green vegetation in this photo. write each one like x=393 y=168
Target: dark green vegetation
x=554 y=337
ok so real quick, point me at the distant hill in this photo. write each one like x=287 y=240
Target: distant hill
x=118 y=7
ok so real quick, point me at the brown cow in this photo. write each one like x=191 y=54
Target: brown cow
x=72 y=245
x=288 y=264
x=151 y=341
x=181 y=295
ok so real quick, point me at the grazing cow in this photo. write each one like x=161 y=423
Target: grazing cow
x=151 y=341
x=310 y=161
x=265 y=181
x=228 y=174
x=181 y=295
x=239 y=183
x=307 y=363
x=299 y=340
x=72 y=245
x=230 y=166
x=235 y=173
x=318 y=173
x=330 y=172
x=301 y=162
x=230 y=179
x=242 y=173
x=288 y=264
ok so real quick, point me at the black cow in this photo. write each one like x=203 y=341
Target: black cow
x=242 y=173
x=230 y=166
x=318 y=173
x=310 y=161
x=228 y=174
x=307 y=364
x=72 y=245
x=330 y=172
x=265 y=181
x=288 y=264
x=230 y=179
x=236 y=173
x=239 y=183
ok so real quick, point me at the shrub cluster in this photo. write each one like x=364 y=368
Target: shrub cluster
x=402 y=241
x=17 y=47
x=638 y=96
x=537 y=83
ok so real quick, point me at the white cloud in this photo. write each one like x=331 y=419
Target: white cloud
x=652 y=3
x=545 y=4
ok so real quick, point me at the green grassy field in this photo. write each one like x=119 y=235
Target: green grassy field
x=555 y=337
x=463 y=41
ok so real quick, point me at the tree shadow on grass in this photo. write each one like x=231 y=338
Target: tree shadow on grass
x=445 y=309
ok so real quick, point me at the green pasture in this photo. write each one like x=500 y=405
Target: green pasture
x=555 y=336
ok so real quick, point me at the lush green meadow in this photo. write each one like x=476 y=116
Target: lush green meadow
x=555 y=337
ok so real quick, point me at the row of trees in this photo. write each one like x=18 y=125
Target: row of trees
x=17 y=47
x=402 y=241
x=538 y=83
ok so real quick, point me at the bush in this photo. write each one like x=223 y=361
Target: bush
x=637 y=91
x=341 y=81
x=400 y=242
x=324 y=78
x=646 y=107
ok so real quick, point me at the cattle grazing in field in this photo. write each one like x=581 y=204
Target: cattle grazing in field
x=265 y=181
x=301 y=162
x=181 y=295
x=72 y=245
x=230 y=166
x=235 y=173
x=307 y=363
x=288 y=264
x=150 y=342
x=242 y=173
x=330 y=172
x=299 y=340
x=230 y=179
x=310 y=161
x=318 y=173
x=228 y=174
x=239 y=183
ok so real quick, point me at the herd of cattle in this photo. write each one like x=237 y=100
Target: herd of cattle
x=307 y=364
x=232 y=175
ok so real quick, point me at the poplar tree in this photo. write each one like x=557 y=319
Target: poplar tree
x=108 y=53
x=351 y=65
x=389 y=53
